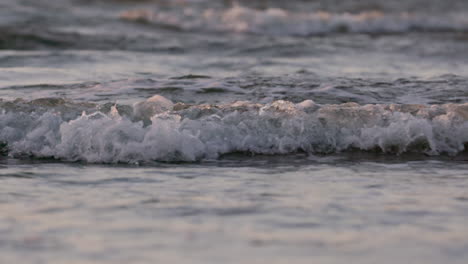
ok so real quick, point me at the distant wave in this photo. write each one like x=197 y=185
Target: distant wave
x=275 y=21
x=159 y=130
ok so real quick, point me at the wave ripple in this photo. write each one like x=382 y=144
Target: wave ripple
x=276 y=21
x=157 y=129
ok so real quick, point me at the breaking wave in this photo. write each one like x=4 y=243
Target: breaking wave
x=159 y=130
x=276 y=21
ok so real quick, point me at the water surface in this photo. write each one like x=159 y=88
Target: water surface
x=202 y=131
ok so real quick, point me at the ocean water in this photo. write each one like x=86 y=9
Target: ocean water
x=197 y=131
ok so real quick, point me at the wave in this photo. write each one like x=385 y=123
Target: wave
x=159 y=130
x=276 y=21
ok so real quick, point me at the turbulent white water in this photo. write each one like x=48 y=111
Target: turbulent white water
x=277 y=21
x=157 y=129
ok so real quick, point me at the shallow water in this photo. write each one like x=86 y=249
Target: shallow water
x=220 y=131
x=264 y=210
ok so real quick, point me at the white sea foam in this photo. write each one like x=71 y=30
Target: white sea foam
x=275 y=21
x=168 y=132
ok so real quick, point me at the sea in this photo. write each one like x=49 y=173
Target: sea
x=248 y=131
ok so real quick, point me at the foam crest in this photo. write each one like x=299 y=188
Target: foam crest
x=181 y=132
x=276 y=21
